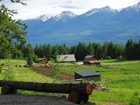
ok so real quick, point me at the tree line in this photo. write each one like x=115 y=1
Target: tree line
x=108 y=50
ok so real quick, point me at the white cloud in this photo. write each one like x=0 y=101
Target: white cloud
x=36 y=8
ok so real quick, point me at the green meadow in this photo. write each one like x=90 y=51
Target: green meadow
x=121 y=77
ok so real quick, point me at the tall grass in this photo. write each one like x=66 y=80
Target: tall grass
x=8 y=73
x=135 y=100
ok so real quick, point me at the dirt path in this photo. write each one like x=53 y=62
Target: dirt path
x=34 y=100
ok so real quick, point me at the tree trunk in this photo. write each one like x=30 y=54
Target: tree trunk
x=44 y=87
x=80 y=90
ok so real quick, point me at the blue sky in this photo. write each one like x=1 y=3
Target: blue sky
x=35 y=8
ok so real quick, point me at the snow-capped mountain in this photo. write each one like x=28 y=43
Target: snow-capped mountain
x=129 y=15
x=102 y=24
x=100 y=10
x=45 y=17
x=65 y=16
x=136 y=7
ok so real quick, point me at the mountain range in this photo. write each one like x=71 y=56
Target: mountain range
x=98 y=24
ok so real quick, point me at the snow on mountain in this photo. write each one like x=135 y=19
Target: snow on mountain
x=65 y=16
x=45 y=17
x=97 y=10
x=137 y=7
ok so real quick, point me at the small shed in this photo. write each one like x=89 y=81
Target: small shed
x=66 y=58
x=91 y=60
x=87 y=74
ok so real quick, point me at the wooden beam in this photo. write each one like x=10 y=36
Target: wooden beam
x=80 y=92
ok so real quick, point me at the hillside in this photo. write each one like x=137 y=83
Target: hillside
x=102 y=24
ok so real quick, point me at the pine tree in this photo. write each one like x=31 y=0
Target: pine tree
x=12 y=32
x=90 y=49
x=81 y=51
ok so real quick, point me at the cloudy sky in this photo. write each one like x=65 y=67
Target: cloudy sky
x=36 y=8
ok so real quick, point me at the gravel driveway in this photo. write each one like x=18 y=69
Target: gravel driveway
x=34 y=100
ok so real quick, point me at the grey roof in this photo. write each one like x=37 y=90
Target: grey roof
x=88 y=73
x=89 y=56
x=66 y=58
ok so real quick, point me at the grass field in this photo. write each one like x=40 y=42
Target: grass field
x=122 y=78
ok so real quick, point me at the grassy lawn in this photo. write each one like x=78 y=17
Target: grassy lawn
x=122 y=79
x=24 y=73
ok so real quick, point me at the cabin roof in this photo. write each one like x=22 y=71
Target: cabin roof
x=89 y=56
x=87 y=73
x=66 y=58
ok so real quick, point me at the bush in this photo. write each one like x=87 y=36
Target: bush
x=135 y=100
x=35 y=58
x=29 y=61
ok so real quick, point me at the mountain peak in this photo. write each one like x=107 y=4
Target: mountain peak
x=65 y=16
x=103 y=9
x=137 y=6
x=44 y=17
x=107 y=8
x=90 y=12
x=67 y=13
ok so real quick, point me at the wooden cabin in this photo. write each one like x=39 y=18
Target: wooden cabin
x=91 y=60
x=66 y=58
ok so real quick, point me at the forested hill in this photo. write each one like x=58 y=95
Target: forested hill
x=102 y=24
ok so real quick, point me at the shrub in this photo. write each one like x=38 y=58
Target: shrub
x=29 y=61
x=35 y=58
